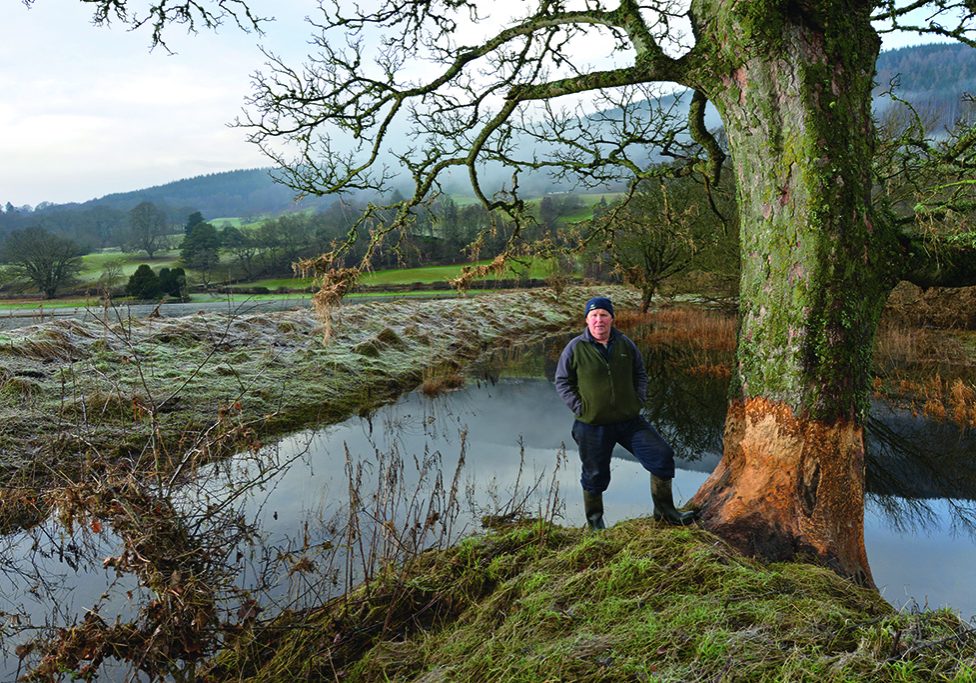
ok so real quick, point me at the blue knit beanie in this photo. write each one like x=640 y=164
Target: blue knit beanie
x=599 y=302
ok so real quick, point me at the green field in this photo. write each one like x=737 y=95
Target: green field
x=92 y=265
x=230 y=221
x=538 y=269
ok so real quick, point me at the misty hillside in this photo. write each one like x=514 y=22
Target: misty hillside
x=932 y=77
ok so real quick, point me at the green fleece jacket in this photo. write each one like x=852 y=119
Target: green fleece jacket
x=602 y=388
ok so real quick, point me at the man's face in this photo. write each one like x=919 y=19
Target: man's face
x=599 y=322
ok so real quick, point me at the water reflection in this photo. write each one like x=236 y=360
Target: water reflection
x=280 y=532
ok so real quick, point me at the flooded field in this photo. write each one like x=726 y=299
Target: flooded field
x=289 y=525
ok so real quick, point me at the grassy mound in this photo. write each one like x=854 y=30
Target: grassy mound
x=639 y=602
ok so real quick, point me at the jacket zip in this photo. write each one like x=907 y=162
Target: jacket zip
x=606 y=362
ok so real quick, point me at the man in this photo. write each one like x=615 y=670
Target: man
x=601 y=377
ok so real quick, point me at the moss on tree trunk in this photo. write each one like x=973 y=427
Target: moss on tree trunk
x=796 y=105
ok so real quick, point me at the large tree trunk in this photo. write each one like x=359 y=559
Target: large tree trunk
x=796 y=104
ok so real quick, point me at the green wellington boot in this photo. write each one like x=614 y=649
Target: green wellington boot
x=593 y=507
x=664 y=504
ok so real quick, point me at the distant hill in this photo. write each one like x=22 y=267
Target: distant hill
x=231 y=193
x=104 y=221
x=932 y=77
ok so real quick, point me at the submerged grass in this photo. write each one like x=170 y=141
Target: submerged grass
x=639 y=602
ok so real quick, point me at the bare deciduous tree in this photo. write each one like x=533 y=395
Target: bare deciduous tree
x=46 y=261
x=659 y=233
x=147 y=228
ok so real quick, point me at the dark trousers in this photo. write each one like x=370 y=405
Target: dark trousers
x=596 y=443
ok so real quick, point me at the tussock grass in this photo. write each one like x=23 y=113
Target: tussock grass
x=640 y=602
x=101 y=404
x=441 y=379
x=18 y=389
x=49 y=343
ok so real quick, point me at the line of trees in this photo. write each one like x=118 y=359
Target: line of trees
x=440 y=233
x=443 y=232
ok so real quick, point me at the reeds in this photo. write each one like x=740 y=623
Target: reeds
x=931 y=372
x=699 y=341
x=683 y=326
x=943 y=400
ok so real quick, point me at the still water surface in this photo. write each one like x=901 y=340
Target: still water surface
x=513 y=432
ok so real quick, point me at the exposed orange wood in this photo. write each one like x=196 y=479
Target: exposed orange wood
x=789 y=488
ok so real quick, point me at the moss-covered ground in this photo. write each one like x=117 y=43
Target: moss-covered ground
x=639 y=602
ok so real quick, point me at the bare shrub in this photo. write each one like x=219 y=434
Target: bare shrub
x=440 y=380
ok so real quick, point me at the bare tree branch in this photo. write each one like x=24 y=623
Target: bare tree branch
x=331 y=126
x=955 y=19
x=160 y=14
x=704 y=137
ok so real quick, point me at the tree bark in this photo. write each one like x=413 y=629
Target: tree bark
x=796 y=103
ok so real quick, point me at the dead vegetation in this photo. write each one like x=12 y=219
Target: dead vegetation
x=441 y=379
x=910 y=306
x=930 y=371
x=682 y=326
x=699 y=341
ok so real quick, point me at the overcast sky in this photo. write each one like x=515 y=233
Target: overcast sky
x=87 y=111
